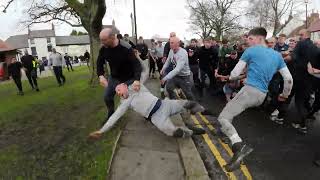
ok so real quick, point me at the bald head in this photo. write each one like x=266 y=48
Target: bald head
x=304 y=34
x=107 y=37
x=174 y=43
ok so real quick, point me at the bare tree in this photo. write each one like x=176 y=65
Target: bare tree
x=87 y=14
x=213 y=16
x=273 y=14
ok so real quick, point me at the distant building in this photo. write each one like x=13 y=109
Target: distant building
x=313 y=26
x=40 y=42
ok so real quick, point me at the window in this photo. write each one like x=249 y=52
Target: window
x=33 y=51
x=48 y=40
x=49 y=48
x=31 y=41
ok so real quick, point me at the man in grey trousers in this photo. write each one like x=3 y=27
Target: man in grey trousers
x=180 y=76
x=261 y=63
x=55 y=60
x=151 y=107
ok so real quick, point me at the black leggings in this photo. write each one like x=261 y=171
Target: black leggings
x=32 y=78
x=152 y=66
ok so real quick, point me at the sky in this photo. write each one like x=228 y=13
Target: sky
x=153 y=17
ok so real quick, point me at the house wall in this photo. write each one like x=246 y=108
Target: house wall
x=41 y=46
x=73 y=50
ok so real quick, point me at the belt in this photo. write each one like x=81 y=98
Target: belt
x=154 y=109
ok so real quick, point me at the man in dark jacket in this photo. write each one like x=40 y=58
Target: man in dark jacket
x=67 y=59
x=30 y=67
x=208 y=60
x=304 y=53
x=192 y=50
x=142 y=48
x=124 y=66
x=14 y=70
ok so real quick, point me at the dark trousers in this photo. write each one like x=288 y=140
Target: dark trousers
x=195 y=73
x=302 y=96
x=17 y=81
x=275 y=89
x=59 y=75
x=183 y=82
x=32 y=78
x=69 y=65
x=207 y=71
x=159 y=64
x=152 y=65
x=109 y=94
x=316 y=88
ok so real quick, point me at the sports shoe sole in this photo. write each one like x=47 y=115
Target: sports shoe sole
x=235 y=164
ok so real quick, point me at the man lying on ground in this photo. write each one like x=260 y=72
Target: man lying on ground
x=151 y=107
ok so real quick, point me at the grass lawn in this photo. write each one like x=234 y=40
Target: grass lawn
x=43 y=135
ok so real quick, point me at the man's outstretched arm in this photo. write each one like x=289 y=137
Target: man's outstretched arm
x=287 y=82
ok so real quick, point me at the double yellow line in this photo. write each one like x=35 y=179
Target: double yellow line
x=216 y=152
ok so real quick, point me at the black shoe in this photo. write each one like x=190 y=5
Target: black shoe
x=316 y=162
x=241 y=151
x=301 y=129
x=207 y=112
x=195 y=130
x=37 y=89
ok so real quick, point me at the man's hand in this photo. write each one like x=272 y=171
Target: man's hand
x=95 y=135
x=164 y=59
x=162 y=81
x=103 y=81
x=136 y=85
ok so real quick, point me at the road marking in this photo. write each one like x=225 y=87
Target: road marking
x=243 y=167
x=214 y=151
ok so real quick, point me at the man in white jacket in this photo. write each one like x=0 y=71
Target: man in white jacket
x=151 y=107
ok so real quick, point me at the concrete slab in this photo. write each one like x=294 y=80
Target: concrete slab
x=140 y=164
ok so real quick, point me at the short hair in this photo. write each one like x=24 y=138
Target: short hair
x=119 y=36
x=259 y=31
x=140 y=37
x=159 y=41
x=234 y=52
x=283 y=35
x=207 y=39
x=224 y=41
x=193 y=40
x=126 y=35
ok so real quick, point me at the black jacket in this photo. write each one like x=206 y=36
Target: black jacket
x=304 y=52
x=143 y=49
x=208 y=57
x=193 y=60
x=27 y=62
x=14 y=69
x=124 y=65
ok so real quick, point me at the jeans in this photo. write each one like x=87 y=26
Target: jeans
x=17 y=81
x=109 y=94
x=195 y=73
x=183 y=82
x=207 y=71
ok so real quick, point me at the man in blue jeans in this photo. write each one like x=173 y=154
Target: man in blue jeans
x=262 y=63
x=124 y=66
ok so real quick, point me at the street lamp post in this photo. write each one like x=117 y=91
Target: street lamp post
x=306 y=1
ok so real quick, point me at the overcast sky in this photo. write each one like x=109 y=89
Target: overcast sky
x=153 y=17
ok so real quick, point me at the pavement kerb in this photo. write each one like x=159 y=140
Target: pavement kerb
x=114 y=150
x=191 y=160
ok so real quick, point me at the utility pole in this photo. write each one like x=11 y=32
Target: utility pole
x=306 y=1
x=135 y=20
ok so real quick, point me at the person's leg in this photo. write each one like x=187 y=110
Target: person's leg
x=202 y=77
x=68 y=67
x=61 y=75
x=56 y=73
x=170 y=87
x=212 y=79
x=28 y=74
x=316 y=103
x=109 y=95
x=17 y=81
x=237 y=105
x=186 y=86
x=34 y=78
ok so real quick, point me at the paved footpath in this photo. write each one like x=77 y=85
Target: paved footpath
x=144 y=153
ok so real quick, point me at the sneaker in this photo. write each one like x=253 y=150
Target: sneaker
x=277 y=120
x=240 y=152
x=37 y=89
x=299 y=128
x=195 y=130
x=194 y=107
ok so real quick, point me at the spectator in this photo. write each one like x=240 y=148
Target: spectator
x=55 y=60
x=126 y=38
x=14 y=70
x=87 y=57
x=68 y=63
x=30 y=67
x=192 y=50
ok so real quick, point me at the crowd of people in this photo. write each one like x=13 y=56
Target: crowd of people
x=30 y=65
x=253 y=72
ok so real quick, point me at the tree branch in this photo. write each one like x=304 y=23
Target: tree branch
x=6 y=6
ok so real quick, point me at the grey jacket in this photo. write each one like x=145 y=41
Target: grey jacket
x=55 y=59
x=180 y=64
